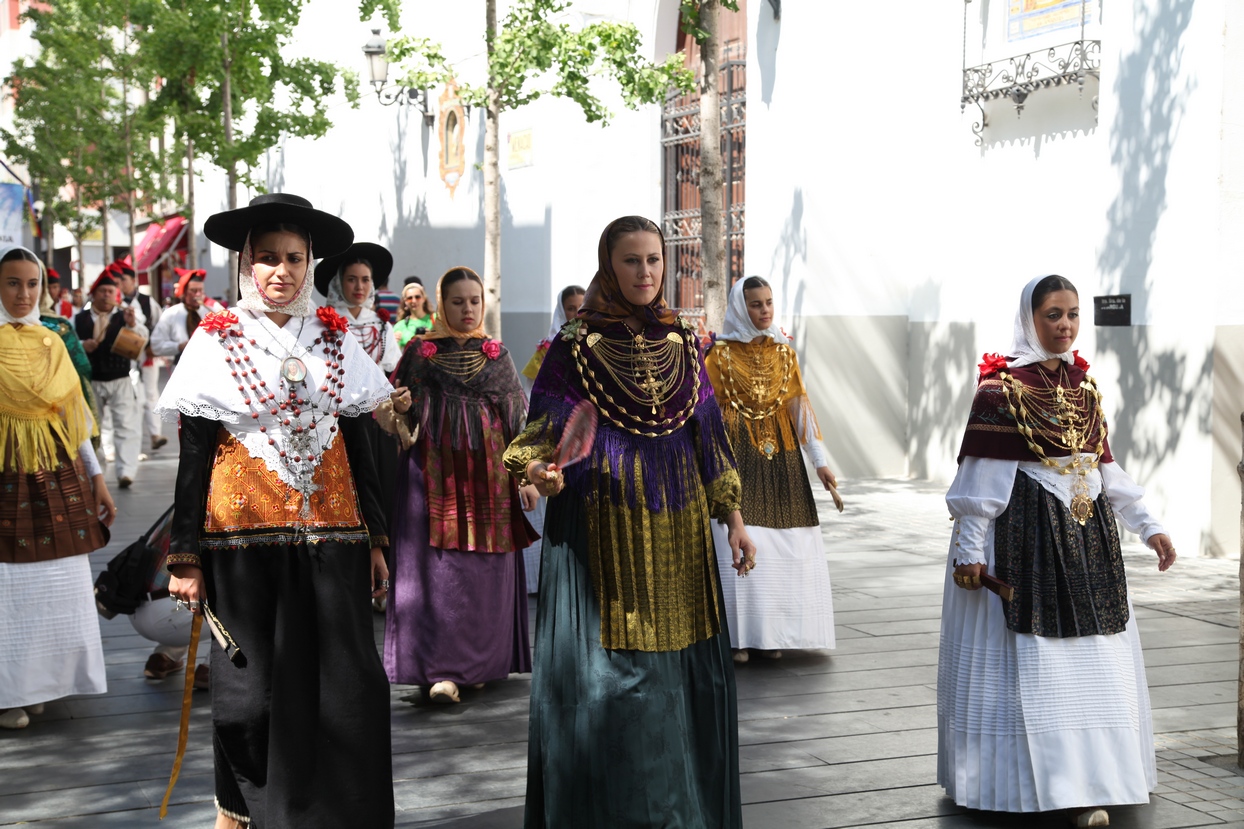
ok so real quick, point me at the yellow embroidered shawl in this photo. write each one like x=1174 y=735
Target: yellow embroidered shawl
x=760 y=385
x=41 y=404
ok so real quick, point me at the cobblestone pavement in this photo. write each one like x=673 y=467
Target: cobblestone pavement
x=837 y=739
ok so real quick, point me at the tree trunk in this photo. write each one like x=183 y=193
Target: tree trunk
x=231 y=290
x=1239 y=712
x=712 y=229
x=191 y=240
x=105 y=213
x=492 y=189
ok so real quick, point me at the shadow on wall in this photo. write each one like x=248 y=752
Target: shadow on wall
x=941 y=381
x=792 y=246
x=421 y=249
x=1150 y=108
x=768 y=34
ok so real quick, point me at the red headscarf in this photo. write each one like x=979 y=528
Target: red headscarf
x=604 y=302
x=183 y=279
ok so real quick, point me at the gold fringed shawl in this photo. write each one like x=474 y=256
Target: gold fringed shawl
x=41 y=404
x=760 y=384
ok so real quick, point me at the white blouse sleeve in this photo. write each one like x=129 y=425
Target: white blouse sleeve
x=89 y=459
x=806 y=429
x=979 y=494
x=1125 y=499
x=392 y=351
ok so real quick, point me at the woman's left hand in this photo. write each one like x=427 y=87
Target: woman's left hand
x=104 y=506
x=529 y=496
x=742 y=550
x=379 y=573
x=1161 y=544
x=827 y=478
x=401 y=400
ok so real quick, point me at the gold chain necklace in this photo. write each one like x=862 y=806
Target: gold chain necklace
x=461 y=364
x=656 y=384
x=1065 y=418
x=766 y=397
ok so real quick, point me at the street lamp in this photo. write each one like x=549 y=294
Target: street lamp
x=378 y=67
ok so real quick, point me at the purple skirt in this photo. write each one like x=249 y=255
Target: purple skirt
x=452 y=615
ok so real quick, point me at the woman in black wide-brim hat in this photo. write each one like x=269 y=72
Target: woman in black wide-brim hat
x=347 y=280
x=279 y=530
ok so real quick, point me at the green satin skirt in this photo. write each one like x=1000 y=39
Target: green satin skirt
x=622 y=739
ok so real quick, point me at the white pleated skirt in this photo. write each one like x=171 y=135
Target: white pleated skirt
x=531 y=554
x=785 y=602
x=49 y=632
x=1034 y=723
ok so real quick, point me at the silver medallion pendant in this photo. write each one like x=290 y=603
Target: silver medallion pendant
x=293 y=370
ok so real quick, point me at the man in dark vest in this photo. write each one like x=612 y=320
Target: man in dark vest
x=147 y=311
x=97 y=325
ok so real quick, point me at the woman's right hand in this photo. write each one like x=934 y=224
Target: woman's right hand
x=546 y=478
x=968 y=576
x=186 y=584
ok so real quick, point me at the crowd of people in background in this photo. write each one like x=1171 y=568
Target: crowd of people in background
x=382 y=453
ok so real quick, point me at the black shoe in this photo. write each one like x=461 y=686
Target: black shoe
x=157 y=441
x=125 y=483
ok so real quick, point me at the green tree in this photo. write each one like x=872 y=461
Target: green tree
x=78 y=126
x=531 y=55
x=228 y=87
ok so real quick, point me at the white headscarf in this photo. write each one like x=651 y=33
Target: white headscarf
x=559 y=313
x=1026 y=348
x=31 y=318
x=738 y=325
x=254 y=299
x=337 y=299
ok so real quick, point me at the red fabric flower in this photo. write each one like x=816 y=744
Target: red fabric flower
x=332 y=320
x=219 y=322
x=991 y=363
x=1081 y=363
x=384 y=314
x=427 y=349
x=491 y=349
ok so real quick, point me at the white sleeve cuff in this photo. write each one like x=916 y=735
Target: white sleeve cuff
x=817 y=456
x=968 y=544
x=89 y=460
x=1126 y=499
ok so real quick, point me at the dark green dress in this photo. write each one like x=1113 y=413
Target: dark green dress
x=634 y=718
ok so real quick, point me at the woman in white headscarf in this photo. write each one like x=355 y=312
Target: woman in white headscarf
x=348 y=281
x=1042 y=702
x=278 y=525
x=755 y=374
x=50 y=515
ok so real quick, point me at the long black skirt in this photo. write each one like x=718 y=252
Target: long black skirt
x=301 y=733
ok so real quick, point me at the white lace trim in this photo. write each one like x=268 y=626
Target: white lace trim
x=170 y=410
x=1060 y=485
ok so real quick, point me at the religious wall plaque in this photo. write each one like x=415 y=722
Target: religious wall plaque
x=1112 y=310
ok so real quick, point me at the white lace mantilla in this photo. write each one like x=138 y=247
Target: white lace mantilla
x=201 y=386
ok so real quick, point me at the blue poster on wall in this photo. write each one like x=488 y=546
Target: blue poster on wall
x=12 y=213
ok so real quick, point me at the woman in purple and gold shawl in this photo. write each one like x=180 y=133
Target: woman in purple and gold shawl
x=633 y=711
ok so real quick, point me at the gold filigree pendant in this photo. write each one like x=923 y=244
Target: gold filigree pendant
x=1081 y=508
x=769 y=448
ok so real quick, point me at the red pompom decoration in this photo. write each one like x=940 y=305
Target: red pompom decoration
x=220 y=321
x=332 y=320
x=991 y=363
x=384 y=314
x=1081 y=363
x=491 y=349
x=427 y=349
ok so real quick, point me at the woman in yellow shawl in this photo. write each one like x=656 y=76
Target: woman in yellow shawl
x=755 y=375
x=53 y=501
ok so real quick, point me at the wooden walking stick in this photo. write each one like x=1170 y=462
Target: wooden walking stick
x=183 y=732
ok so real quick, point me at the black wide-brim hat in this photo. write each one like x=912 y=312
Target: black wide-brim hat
x=329 y=234
x=379 y=257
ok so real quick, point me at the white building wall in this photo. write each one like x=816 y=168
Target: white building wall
x=906 y=246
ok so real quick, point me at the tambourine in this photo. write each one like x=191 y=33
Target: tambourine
x=129 y=344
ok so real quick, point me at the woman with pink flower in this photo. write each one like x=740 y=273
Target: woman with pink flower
x=457 y=611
